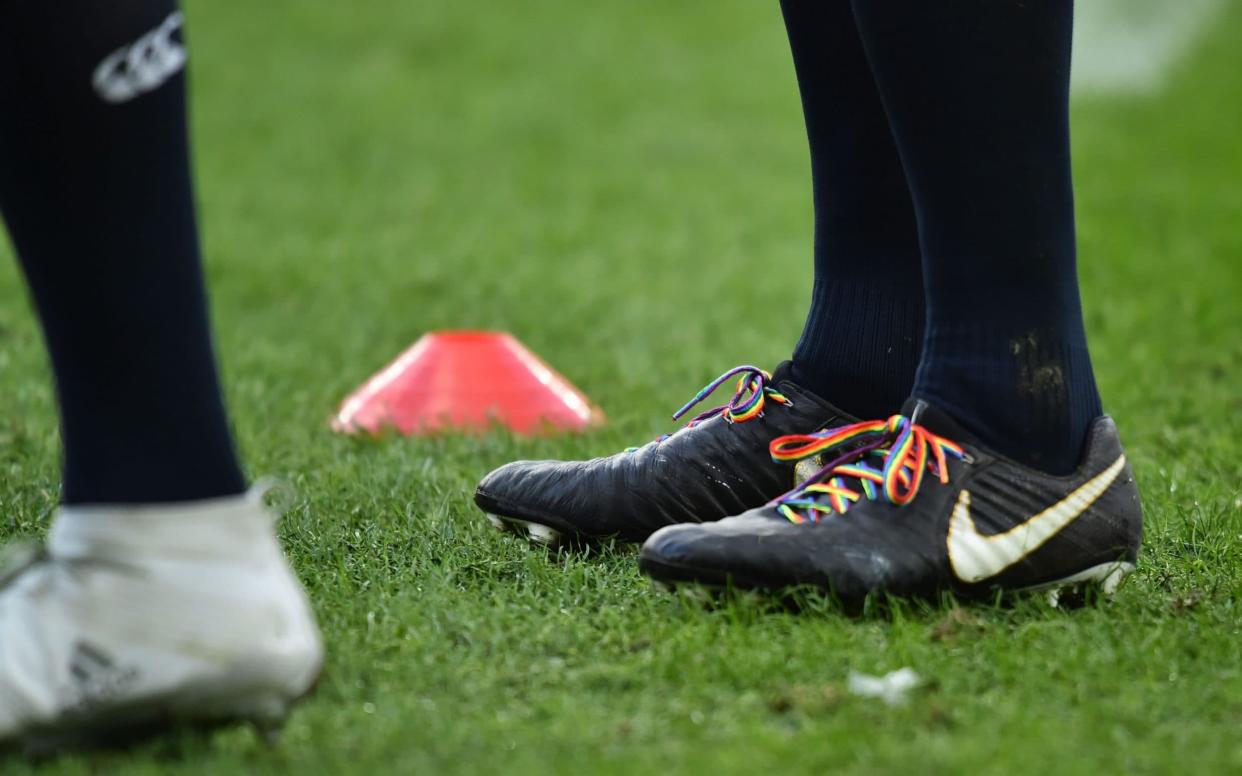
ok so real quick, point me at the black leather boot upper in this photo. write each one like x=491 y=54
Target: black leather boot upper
x=712 y=469
x=994 y=524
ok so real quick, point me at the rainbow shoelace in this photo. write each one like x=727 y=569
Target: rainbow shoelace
x=877 y=459
x=749 y=399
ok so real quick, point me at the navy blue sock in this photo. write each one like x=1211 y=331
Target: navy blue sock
x=863 y=335
x=95 y=189
x=976 y=93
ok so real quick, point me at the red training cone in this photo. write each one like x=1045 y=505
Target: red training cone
x=466 y=380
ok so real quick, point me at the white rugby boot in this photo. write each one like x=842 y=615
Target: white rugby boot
x=137 y=618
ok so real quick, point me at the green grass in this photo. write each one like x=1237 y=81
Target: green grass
x=626 y=188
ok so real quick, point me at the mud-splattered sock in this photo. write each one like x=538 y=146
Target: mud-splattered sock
x=976 y=93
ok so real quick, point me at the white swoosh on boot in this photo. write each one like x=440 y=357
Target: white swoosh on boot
x=975 y=557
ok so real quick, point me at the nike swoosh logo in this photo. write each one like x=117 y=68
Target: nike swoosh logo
x=975 y=557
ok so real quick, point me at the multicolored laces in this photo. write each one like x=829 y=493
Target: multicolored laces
x=876 y=459
x=749 y=399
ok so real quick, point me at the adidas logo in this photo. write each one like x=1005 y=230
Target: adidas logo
x=97 y=679
x=143 y=65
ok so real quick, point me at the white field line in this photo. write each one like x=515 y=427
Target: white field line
x=1130 y=45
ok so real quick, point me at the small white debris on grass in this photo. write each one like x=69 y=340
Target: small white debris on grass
x=892 y=688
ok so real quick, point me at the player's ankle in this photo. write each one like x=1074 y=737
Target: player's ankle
x=234 y=527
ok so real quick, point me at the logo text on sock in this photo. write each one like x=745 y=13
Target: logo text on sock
x=141 y=66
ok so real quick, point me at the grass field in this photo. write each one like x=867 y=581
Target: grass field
x=626 y=188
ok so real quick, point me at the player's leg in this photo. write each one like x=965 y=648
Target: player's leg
x=864 y=331
x=1001 y=472
x=96 y=193
x=978 y=96
x=859 y=347
x=162 y=588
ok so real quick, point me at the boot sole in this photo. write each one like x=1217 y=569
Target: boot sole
x=130 y=724
x=1100 y=581
x=536 y=532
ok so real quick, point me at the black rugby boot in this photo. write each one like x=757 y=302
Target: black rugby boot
x=914 y=505
x=717 y=465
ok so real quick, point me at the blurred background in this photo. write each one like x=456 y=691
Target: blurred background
x=1133 y=45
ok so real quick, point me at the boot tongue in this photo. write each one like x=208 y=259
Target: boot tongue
x=937 y=421
x=784 y=371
